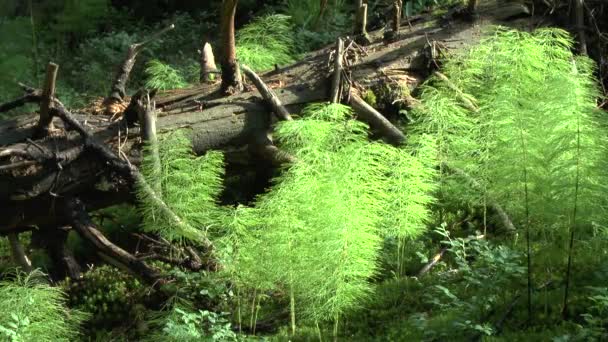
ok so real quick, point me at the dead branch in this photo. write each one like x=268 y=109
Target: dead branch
x=376 y=120
x=466 y=99
x=118 y=90
x=18 y=102
x=82 y=223
x=269 y=96
x=127 y=170
x=436 y=258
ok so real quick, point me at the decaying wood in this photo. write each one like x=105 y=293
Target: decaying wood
x=45 y=124
x=207 y=64
x=86 y=228
x=118 y=90
x=267 y=94
x=376 y=120
x=336 y=82
x=64 y=166
x=19 y=255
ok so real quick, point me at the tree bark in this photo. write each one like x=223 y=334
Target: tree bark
x=231 y=77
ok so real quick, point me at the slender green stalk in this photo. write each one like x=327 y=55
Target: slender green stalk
x=527 y=220
x=292 y=309
x=573 y=219
x=255 y=318
x=255 y=293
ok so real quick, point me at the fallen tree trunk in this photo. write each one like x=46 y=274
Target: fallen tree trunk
x=59 y=166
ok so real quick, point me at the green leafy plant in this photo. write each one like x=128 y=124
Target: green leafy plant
x=265 y=42
x=315 y=28
x=518 y=114
x=182 y=323
x=34 y=311
x=189 y=185
x=162 y=76
x=332 y=208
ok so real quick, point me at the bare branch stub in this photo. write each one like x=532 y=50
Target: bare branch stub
x=393 y=34
x=207 y=64
x=336 y=84
x=45 y=124
x=19 y=255
x=361 y=34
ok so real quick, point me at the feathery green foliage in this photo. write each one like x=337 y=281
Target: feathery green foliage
x=162 y=76
x=266 y=41
x=189 y=186
x=32 y=310
x=319 y=230
x=536 y=143
x=537 y=113
x=312 y=31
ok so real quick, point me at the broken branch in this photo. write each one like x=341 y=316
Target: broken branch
x=45 y=124
x=269 y=96
x=118 y=91
x=376 y=120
